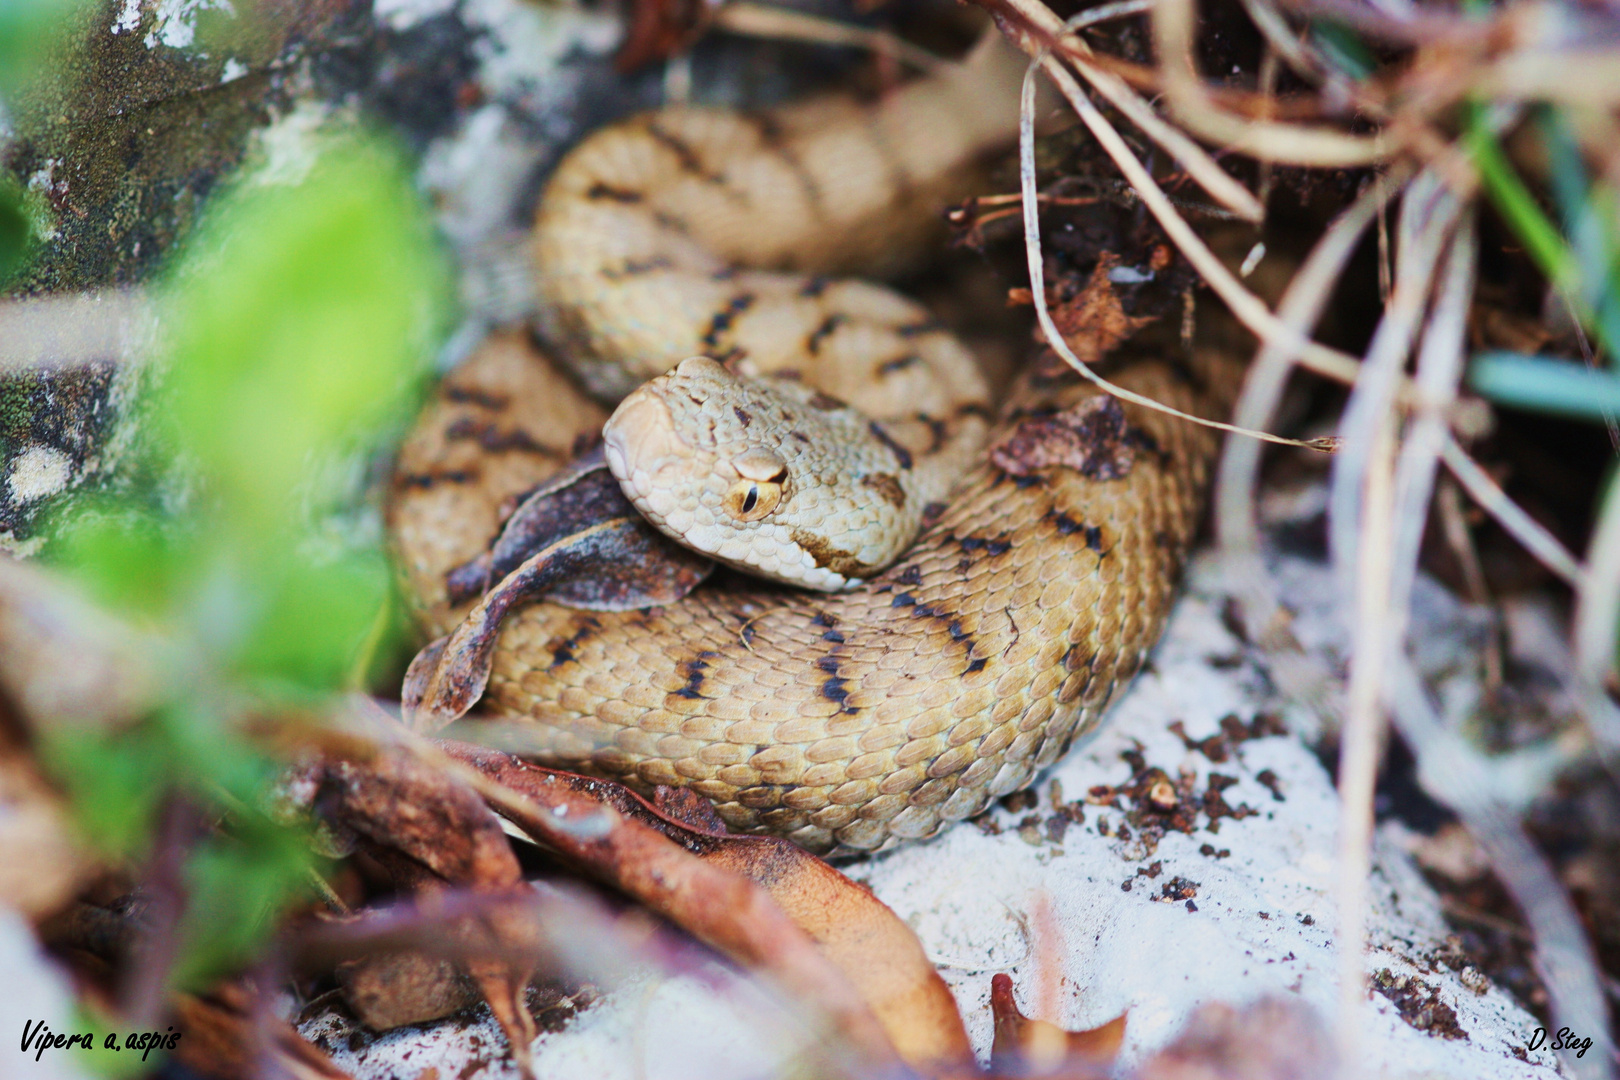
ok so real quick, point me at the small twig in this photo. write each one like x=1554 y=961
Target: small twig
x=1454 y=523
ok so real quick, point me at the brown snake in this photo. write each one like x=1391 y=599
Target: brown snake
x=845 y=721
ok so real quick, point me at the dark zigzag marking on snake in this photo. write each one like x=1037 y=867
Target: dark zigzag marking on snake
x=770 y=134
x=953 y=626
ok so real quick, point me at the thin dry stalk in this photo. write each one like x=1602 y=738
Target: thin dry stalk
x=1307 y=295
x=1565 y=954
x=1199 y=165
x=1285 y=42
x=1174 y=23
x=1362 y=537
x=1530 y=533
x=1361 y=743
x=779 y=23
x=1439 y=370
x=1037 y=273
x=1597 y=614
x=1454 y=773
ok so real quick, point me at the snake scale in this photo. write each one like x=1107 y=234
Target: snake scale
x=846 y=721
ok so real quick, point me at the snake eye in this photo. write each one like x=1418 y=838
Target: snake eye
x=750 y=500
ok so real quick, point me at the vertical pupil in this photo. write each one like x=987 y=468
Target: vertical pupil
x=751 y=500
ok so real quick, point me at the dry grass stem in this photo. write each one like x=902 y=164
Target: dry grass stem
x=1362 y=524
x=1286 y=43
x=1456 y=774
x=1530 y=533
x=1200 y=166
x=1361 y=740
x=1597 y=614
x=1037 y=275
x=1174 y=23
x=1249 y=308
x=1466 y=783
x=1439 y=371
x=779 y=23
x=1238 y=476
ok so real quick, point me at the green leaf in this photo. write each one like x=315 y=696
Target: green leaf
x=16 y=230
x=1545 y=384
x=238 y=882
x=114 y=781
x=314 y=621
x=1513 y=200
x=29 y=30
x=303 y=320
x=127 y=559
x=1588 y=217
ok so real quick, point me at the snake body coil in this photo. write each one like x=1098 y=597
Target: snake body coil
x=844 y=721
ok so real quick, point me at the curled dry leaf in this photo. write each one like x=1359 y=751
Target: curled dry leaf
x=1093 y=321
x=580 y=495
x=575 y=540
x=1092 y=437
x=1026 y=1047
x=759 y=900
x=433 y=833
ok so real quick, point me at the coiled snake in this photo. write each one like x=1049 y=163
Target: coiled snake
x=849 y=720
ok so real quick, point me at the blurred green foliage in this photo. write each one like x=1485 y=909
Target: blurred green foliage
x=1578 y=261
x=29 y=31
x=300 y=319
x=16 y=229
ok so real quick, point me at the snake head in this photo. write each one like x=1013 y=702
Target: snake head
x=766 y=475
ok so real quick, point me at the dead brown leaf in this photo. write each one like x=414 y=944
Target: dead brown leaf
x=225 y=1040
x=1093 y=321
x=659 y=29
x=761 y=901
x=606 y=564
x=1027 y=1047
x=1091 y=436
x=434 y=833
x=876 y=951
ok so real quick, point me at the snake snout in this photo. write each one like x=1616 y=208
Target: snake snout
x=641 y=441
